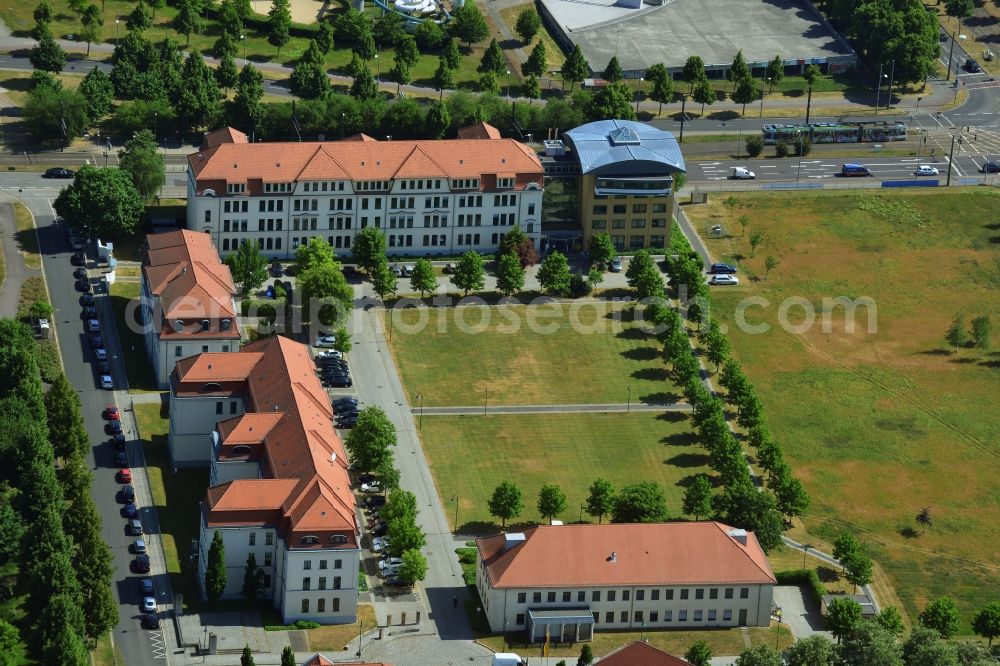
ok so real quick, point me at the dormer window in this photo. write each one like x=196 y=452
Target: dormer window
x=505 y=183
x=309 y=540
x=236 y=188
x=338 y=539
x=241 y=450
x=211 y=386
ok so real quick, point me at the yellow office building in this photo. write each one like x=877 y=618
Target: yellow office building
x=626 y=182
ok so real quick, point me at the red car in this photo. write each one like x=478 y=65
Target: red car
x=125 y=475
x=111 y=413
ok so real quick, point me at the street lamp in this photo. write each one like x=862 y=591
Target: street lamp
x=378 y=71
x=878 y=89
x=420 y=423
x=951 y=51
x=638 y=92
x=116 y=29
x=455 y=500
x=508 y=85
x=361 y=624
x=628 y=400
x=805 y=549
x=764 y=80
x=244 y=38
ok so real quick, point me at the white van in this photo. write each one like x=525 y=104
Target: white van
x=507 y=659
x=742 y=173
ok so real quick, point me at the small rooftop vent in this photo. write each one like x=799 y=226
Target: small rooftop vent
x=624 y=136
x=613 y=557
x=739 y=534
x=512 y=540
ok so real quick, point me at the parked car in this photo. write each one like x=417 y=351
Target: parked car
x=397 y=270
x=374 y=501
x=724 y=280
x=742 y=173
x=87 y=299
x=972 y=66
x=127 y=494
x=146 y=587
x=108 y=384
x=332 y=363
x=408 y=270
x=124 y=475
x=615 y=265
x=139 y=547
x=329 y=353
x=141 y=564
x=346 y=401
x=380 y=530
x=104 y=367
x=130 y=510
x=117 y=441
x=111 y=413
x=149 y=604
x=83 y=285
x=388 y=562
x=89 y=312
x=58 y=172
x=394 y=580
x=925 y=170
x=722 y=269
x=101 y=354
x=991 y=167
x=371 y=487
x=347 y=421
x=276 y=270
x=449 y=269
x=81 y=274
x=134 y=527
x=114 y=427
x=76 y=241
x=326 y=340
x=78 y=258
x=341 y=382
x=391 y=571
x=379 y=544
x=121 y=460
x=151 y=621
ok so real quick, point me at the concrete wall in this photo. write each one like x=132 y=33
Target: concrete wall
x=294 y=592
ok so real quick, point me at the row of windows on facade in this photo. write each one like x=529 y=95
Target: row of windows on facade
x=367 y=186
x=347 y=203
x=321 y=605
x=461 y=240
x=179 y=352
x=622 y=209
x=639 y=242
x=341 y=222
x=656 y=223
x=321 y=580
x=640 y=595
x=653 y=617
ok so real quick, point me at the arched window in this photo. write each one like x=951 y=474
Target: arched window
x=309 y=540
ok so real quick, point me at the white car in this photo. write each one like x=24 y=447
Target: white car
x=330 y=353
x=925 y=170
x=389 y=563
x=742 y=173
x=149 y=605
x=107 y=382
x=724 y=280
x=326 y=340
x=379 y=544
x=371 y=487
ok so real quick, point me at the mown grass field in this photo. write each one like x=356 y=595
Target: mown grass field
x=880 y=424
x=470 y=455
x=523 y=355
x=137 y=366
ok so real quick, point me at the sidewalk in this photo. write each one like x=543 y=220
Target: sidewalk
x=16 y=272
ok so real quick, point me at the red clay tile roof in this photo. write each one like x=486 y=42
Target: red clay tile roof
x=224 y=135
x=645 y=554
x=183 y=269
x=362 y=160
x=641 y=654
x=250 y=494
x=360 y=136
x=479 y=131
x=301 y=444
x=320 y=660
x=250 y=428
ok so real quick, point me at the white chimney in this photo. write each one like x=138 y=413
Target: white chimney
x=739 y=534
x=512 y=539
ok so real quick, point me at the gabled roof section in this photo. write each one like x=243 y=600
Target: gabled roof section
x=641 y=654
x=606 y=143
x=217 y=367
x=360 y=136
x=250 y=428
x=183 y=269
x=479 y=130
x=223 y=135
x=643 y=554
x=250 y=494
x=322 y=166
x=419 y=165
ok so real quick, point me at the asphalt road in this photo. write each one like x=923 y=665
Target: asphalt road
x=135 y=644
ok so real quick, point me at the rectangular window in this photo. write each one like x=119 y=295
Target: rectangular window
x=668 y=616
x=611 y=595
x=218 y=410
x=609 y=617
x=660 y=208
x=305 y=605
x=519 y=619
x=267 y=559
x=698 y=616
x=682 y=616
x=626 y=595
x=600 y=210
x=684 y=594
x=321 y=605
x=744 y=593
x=253 y=538
x=623 y=617
x=638 y=208
x=640 y=595
x=269 y=539
x=657 y=241
x=177 y=351
x=637 y=616
x=581 y=597
x=599 y=224
x=335 y=604
x=307 y=565
x=550 y=597
x=536 y=598
x=699 y=593
x=566 y=597
x=727 y=615
x=306 y=583
x=618 y=224
x=336 y=582
x=267 y=580
x=659 y=222
x=654 y=595
x=322 y=582
x=619 y=209
x=322 y=564
x=595 y=595
x=531 y=209
x=711 y=615
x=522 y=597
x=338 y=564
x=654 y=616
x=729 y=593
x=638 y=224
x=713 y=593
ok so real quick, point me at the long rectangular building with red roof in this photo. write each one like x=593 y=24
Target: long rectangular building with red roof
x=567 y=581
x=430 y=198
x=278 y=482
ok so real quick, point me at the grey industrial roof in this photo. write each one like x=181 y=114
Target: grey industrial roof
x=604 y=143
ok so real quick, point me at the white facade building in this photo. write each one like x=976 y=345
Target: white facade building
x=441 y=197
x=567 y=581
x=279 y=488
x=186 y=300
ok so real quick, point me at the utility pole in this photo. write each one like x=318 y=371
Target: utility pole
x=950 y=156
x=892 y=74
x=684 y=99
x=878 y=89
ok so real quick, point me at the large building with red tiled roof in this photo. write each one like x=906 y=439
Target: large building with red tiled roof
x=641 y=654
x=278 y=483
x=567 y=581
x=187 y=300
x=428 y=197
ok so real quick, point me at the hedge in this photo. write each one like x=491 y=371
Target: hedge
x=807 y=577
x=47 y=356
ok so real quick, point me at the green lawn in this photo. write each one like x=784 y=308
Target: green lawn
x=569 y=353
x=137 y=367
x=176 y=497
x=470 y=455
x=879 y=425
x=27 y=240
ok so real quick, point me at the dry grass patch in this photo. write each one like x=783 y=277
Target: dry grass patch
x=880 y=424
x=333 y=638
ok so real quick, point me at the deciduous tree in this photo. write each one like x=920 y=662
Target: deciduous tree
x=247 y=110
x=528 y=24
x=369 y=249
x=761 y=655
x=746 y=91
x=47 y=55
x=325 y=286
x=575 y=68
x=601 y=250
x=600 y=499
x=816 y=650
x=613 y=72
x=253 y=579
x=535 y=65
x=890 y=620
x=703 y=93
x=444 y=76
x=738 y=71
x=663 y=85
x=693 y=72
x=519 y=243
x=423 y=279
x=956 y=335
x=493 y=60
x=698 y=497
x=506 y=502
x=414 y=566
x=141 y=18
x=248 y=266
x=843 y=615
x=279 y=23
x=642 y=502
x=551 y=501
x=941 y=615
x=215 y=569
x=756 y=240
x=141 y=160
x=92 y=20
x=699 y=654
x=188 y=19
x=986 y=622
x=510 y=274
x=101 y=201
x=468 y=25
x=554 y=275
x=383 y=279
x=982 y=332
x=470 y=274
x=775 y=72
x=371 y=439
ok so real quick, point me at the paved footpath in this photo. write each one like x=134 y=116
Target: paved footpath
x=483 y=410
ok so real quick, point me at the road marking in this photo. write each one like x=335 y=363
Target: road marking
x=156 y=643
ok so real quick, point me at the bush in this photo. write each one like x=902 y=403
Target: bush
x=755 y=146
x=781 y=149
x=267 y=312
x=807 y=577
x=803 y=148
x=578 y=286
x=466 y=555
x=47 y=356
x=306 y=624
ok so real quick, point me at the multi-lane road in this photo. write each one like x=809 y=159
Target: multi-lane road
x=138 y=646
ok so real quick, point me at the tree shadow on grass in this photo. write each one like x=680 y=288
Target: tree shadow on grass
x=995 y=363
x=963 y=360
x=679 y=439
x=478 y=528
x=908 y=533
x=641 y=354
x=688 y=460
x=827 y=575
x=669 y=417
x=652 y=374
x=936 y=352
x=632 y=333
